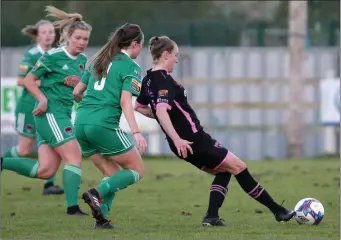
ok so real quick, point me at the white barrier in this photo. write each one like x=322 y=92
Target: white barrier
x=10 y=94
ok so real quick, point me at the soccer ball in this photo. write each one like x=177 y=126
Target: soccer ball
x=309 y=211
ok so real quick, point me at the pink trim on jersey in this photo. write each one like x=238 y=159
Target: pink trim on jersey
x=188 y=117
x=222 y=162
x=140 y=104
x=164 y=105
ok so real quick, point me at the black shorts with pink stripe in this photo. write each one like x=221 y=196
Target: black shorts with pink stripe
x=207 y=152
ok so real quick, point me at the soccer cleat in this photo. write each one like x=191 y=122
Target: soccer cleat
x=91 y=197
x=212 y=221
x=1 y=163
x=285 y=215
x=53 y=190
x=103 y=225
x=75 y=211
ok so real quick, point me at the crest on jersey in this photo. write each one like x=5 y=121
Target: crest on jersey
x=218 y=145
x=68 y=130
x=29 y=128
x=163 y=93
x=81 y=67
x=23 y=68
x=135 y=85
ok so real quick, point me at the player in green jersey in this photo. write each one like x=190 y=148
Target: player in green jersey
x=58 y=71
x=111 y=82
x=43 y=33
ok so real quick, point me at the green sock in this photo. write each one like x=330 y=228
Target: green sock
x=71 y=182
x=51 y=180
x=118 y=181
x=12 y=152
x=107 y=201
x=23 y=166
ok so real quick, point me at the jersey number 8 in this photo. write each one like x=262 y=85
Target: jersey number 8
x=99 y=85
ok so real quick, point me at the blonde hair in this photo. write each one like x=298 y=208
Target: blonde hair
x=120 y=39
x=32 y=30
x=67 y=24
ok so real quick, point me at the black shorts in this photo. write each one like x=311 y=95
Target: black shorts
x=207 y=152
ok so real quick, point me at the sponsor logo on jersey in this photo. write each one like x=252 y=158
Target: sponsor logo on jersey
x=163 y=93
x=160 y=100
x=135 y=85
x=68 y=130
x=37 y=65
x=23 y=68
x=185 y=93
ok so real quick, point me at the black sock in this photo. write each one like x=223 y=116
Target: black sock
x=73 y=209
x=48 y=184
x=218 y=193
x=256 y=191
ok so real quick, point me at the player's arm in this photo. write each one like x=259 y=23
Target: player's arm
x=24 y=68
x=141 y=104
x=42 y=67
x=81 y=87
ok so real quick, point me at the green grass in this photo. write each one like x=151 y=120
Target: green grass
x=171 y=200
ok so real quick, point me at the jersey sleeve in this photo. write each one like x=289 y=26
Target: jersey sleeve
x=43 y=66
x=142 y=99
x=86 y=76
x=132 y=80
x=25 y=65
x=165 y=93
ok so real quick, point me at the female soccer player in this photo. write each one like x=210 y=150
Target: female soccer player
x=44 y=34
x=58 y=71
x=187 y=139
x=114 y=77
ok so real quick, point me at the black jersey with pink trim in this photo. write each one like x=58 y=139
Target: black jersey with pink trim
x=160 y=89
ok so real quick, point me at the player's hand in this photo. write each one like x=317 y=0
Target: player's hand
x=71 y=81
x=183 y=146
x=140 y=142
x=41 y=108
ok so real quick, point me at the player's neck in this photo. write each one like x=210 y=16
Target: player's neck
x=44 y=48
x=160 y=66
x=71 y=51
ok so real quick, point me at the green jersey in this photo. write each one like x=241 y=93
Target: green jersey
x=101 y=102
x=52 y=69
x=27 y=62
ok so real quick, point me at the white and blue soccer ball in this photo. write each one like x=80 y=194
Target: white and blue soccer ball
x=309 y=211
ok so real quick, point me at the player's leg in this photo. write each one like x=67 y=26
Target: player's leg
x=108 y=168
x=121 y=150
x=57 y=131
x=238 y=168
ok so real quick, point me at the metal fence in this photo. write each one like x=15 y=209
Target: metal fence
x=240 y=95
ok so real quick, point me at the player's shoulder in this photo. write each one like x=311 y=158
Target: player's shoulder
x=33 y=51
x=55 y=51
x=83 y=57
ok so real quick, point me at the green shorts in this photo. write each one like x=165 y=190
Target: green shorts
x=24 y=120
x=96 y=139
x=54 y=129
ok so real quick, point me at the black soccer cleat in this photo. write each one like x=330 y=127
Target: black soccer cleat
x=53 y=190
x=284 y=215
x=212 y=221
x=75 y=211
x=103 y=225
x=91 y=197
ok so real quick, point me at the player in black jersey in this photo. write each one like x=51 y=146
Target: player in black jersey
x=165 y=100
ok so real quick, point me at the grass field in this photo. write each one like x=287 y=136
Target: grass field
x=171 y=200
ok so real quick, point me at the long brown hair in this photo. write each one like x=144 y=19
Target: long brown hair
x=67 y=23
x=120 y=39
x=32 y=30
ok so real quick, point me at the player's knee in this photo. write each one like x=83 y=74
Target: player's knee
x=137 y=167
x=44 y=172
x=24 y=151
x=238 y=167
